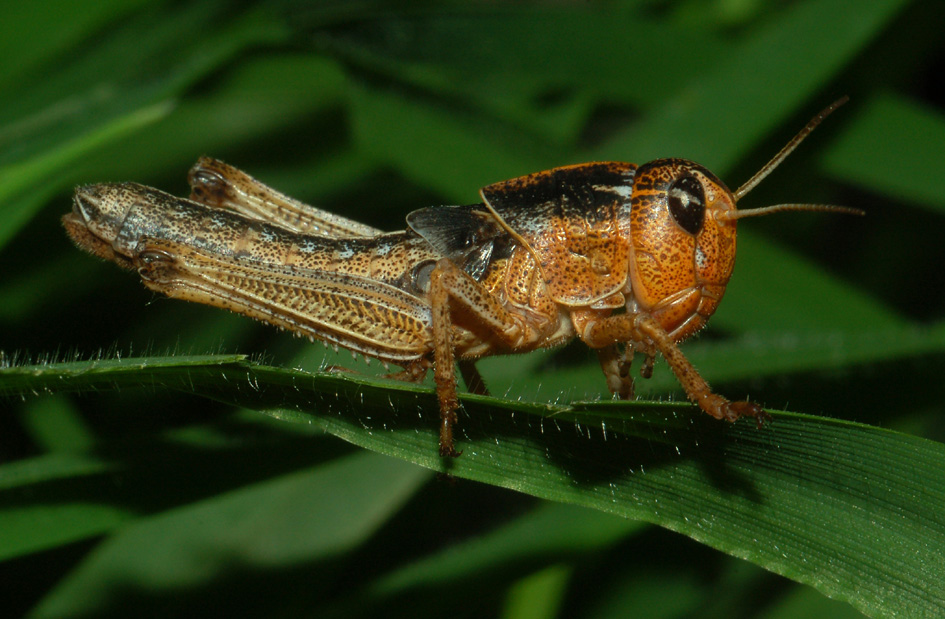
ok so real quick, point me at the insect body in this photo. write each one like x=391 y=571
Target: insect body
x=626 y=258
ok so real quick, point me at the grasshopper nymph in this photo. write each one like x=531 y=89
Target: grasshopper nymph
x=627 y=258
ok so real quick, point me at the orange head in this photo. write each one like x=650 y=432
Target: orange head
x=683 y=253
x=682 y=227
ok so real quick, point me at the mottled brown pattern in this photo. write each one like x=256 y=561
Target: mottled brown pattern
x=571 y=218
x=669 y=278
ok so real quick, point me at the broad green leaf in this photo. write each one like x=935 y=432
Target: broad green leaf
x=847 y=508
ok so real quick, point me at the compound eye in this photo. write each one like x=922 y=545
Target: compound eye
x=687 y=203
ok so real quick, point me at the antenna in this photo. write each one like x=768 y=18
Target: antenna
x=775 y=162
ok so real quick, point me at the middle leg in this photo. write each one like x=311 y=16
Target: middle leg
x=452 y=289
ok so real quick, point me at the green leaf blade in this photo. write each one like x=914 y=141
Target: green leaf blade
x=847 y=508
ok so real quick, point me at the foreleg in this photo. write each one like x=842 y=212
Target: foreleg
x=641 y=329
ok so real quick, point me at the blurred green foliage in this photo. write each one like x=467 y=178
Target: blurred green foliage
x=155 y=500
